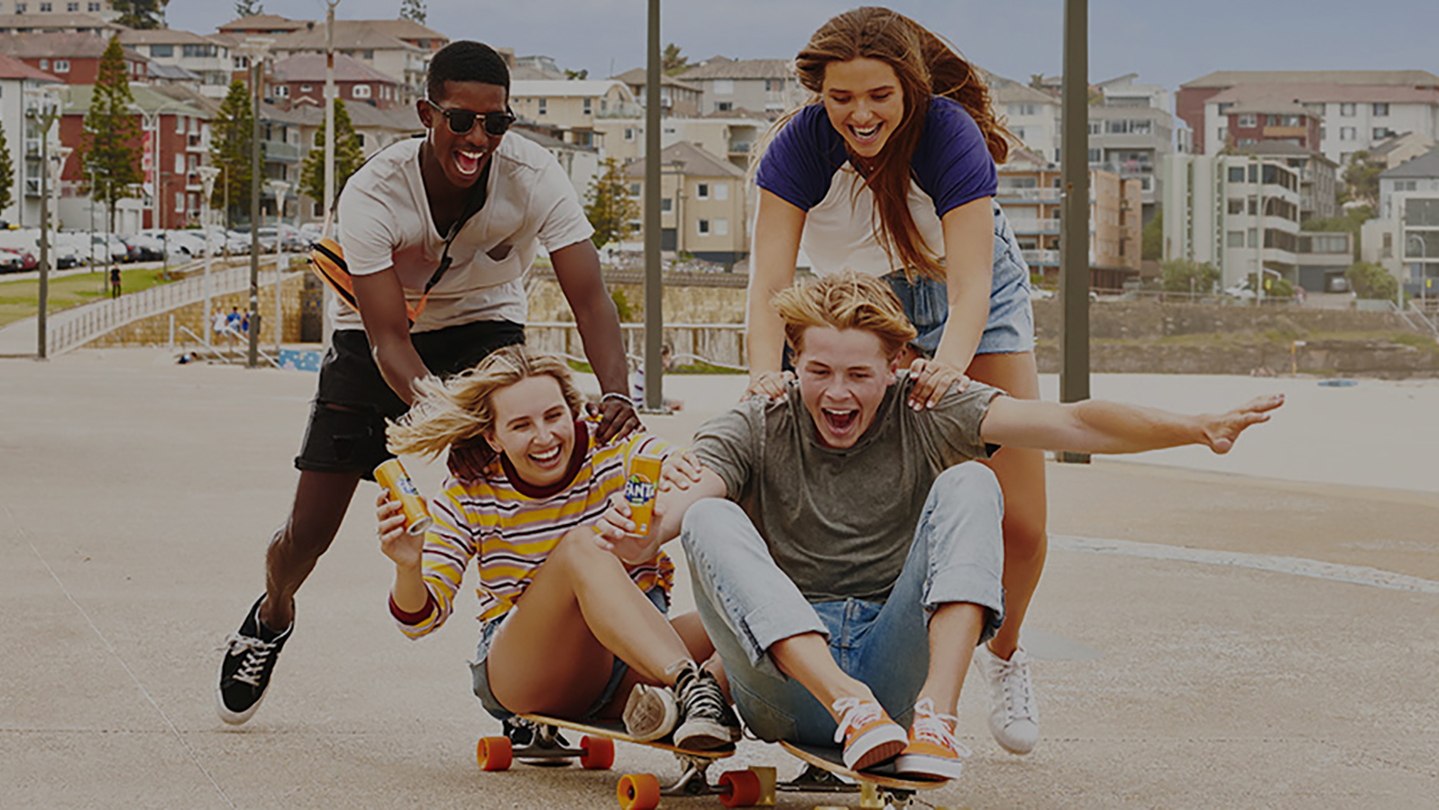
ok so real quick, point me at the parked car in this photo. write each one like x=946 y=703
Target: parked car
x=187 y=244
x=11 y=261
x=144 y=248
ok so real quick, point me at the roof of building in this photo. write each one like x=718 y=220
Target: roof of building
x=1393 y=142
x=401 y=28
x=719 y=67
x=1424 y=166
x=694 y=162
x=47 y=21
x=162 y=36
x=1281 y=149
x=311 y=67
x=1009 y=91
x=263 y=22
x=371 y=35
x=1395 y=78
x=638 y=77
x=66 y=45
x=12 y=68
x=160 y=70
x=559 y=88
x=1333 y=93
x=147 y=98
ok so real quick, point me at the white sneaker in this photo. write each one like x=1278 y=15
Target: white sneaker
x=1013 y=712
x=651 y=712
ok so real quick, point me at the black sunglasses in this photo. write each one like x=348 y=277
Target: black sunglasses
x=462 y=121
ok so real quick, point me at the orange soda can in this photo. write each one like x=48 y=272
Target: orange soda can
x=392 y=476
x=641 y=486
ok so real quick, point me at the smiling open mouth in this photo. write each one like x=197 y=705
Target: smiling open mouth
x=866 y=135
x=549 y=456
x=468 y=160
x=839 y=421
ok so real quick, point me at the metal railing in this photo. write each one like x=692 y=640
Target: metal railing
x=72 y=328
x=233 y=357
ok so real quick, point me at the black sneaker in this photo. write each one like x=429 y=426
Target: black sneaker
x=706 y=719
x=250 y=657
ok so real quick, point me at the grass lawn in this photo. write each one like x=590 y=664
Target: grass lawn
x=20 y=299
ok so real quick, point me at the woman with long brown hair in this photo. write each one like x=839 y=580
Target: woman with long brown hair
x=890 y=171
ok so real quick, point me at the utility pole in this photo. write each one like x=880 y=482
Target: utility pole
x=328 y=204
x=207 y=182
x=279 y=188
x=258 y=48
x=44 y=111
x=1074 y=234
x=654 y=293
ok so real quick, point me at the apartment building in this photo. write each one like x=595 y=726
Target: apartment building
x=300 y=79
x=572 y=108
x=1030 y=115
x=1359 y=108
x=207 y=58
x=23 y=17
x=1029 y=192
x=70 y=57
x=1404 y=238
x=756 y=85
x=1318 y=175
x=702 y=207
x=1236 y=212
x=728 y=137
x=20 y=84
x=677 y=97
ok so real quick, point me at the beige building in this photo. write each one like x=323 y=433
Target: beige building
x=572 y=107
x=1029 y=192
x=702 y=207
x=676 y=97
x=729 y=138
x=207 y=58
x=757 y=85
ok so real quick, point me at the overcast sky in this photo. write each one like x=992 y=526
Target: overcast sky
x=1166 y=43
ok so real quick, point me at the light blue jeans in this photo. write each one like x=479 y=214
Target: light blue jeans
x=747 y=604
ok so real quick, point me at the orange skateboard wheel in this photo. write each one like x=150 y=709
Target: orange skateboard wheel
x=598 y=753
x=740 y=788
x=494 y=753
x=639 y=791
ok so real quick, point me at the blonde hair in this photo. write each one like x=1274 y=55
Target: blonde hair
x=925 y=65
x=849 y=300
x=462 y=407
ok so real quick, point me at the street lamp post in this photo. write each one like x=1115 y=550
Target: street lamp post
x=207 y=183
x=280 y=188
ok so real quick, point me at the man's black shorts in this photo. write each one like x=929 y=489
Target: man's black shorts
x=346 y=432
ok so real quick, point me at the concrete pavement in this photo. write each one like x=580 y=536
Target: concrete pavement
x=1254 y=630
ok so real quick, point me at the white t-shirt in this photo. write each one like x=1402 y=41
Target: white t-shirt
x=384 y=221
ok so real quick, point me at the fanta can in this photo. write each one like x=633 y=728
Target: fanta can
x=640 y=487
x=392 y=476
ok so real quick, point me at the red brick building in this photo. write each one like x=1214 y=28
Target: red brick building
x=72 y=58
x=301 y=80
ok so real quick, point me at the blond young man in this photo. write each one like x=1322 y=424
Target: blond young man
x=846 y=561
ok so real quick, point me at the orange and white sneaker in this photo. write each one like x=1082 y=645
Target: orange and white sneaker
x=870 y=738
x=933 y=752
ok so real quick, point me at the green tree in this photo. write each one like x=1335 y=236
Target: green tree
x=672 y=62
x=1183 y=275
x=348 y=156
x=413 y=10
x=232 y=132
x=1361 y=179
x=248 y=8
x=111 y=133
x=1151 y=239
x=1369 y=280
x=7 y=173
x=609 y=206
x=140 y=13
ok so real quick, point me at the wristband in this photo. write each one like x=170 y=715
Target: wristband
x=618 y=397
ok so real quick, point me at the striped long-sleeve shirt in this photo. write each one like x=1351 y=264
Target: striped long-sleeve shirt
x=512 y=527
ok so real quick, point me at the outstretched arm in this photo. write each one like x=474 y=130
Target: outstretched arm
x=1096 y=426
x=381 y=302
x=577 y=268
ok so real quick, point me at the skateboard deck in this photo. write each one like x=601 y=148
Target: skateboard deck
x=615 y=730
x=832 y=761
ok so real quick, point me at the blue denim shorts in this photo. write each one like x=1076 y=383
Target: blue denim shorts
x=481 y=678
x=1010 y=327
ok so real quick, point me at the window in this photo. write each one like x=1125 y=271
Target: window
x=1378 y=134
x=1096 y=156
x=162 y=51
x=305 y=88
x=1236 y=174
x=1095 y=127
x=180 y=124
x=283 y=90
x=367 y=54
x=1236 y=205
x=92 y=6
x=46 y=8
x=704 y=227
x=197 y=50
x=634 y=189
x=1406 y=185
x=1347 y=110
x=1348 y=134
x=1381 y=108
x=72 y=7
x=44 y=64
x=544 y=106
x=19 y=8
x=179 y=201
x=1323 y=132
x=667 y=205
x=724 y=106
x=62 y=66
x=629 y=133
x=179 y=164
x=1248 y=120
x=721 y=192
x=723 y=87
x=1023 y=109
x=702 y=191
x=721 y=227
x=1234 y=239
x=589 y=109
x=358 y=91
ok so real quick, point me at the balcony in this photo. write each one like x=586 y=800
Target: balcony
x=1028 y=227
x=196 y=142
x=1028 y=194
x=1041 y=258
x=740 y=147
x=281 y=152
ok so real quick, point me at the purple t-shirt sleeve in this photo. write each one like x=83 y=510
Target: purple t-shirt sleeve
x=952 y=162
x=801 y=160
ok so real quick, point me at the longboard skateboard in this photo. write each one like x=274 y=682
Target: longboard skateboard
x=596 y=751
x=825 y=772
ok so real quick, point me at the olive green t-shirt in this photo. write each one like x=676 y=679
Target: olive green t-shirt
x=839 y=522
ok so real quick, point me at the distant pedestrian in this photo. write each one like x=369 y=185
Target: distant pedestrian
x=114 y=282
x=218 y=324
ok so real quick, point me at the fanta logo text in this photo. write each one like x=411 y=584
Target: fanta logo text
x=639 y=490
x=406 y=487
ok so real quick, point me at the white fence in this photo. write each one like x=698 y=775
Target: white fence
x=72 y=328
x=718 y=344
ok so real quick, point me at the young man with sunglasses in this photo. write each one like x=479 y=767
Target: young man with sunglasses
x=446 y=225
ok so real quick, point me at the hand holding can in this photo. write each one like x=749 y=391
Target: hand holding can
x=392 y=476
x=641 y=485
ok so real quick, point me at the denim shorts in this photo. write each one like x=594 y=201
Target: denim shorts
x=481 y=678
x=1010 y=328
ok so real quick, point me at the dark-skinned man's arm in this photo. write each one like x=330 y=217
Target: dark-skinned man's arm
x=381 y=302
x=577 y=267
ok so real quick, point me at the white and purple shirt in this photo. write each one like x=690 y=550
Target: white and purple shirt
x=807 y=166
